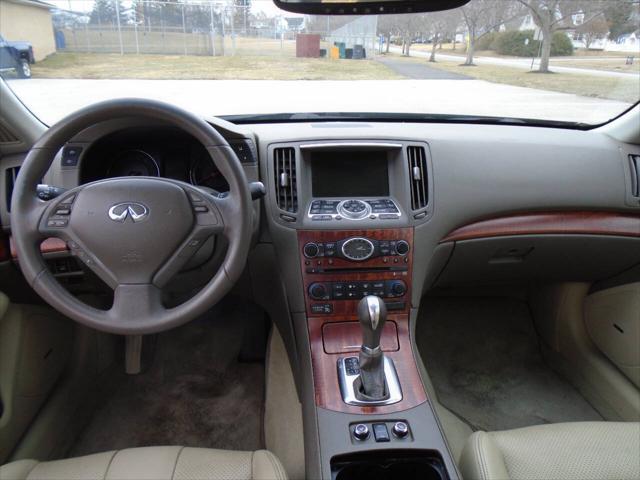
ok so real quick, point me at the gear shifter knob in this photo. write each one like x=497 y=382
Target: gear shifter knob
x=372 y=313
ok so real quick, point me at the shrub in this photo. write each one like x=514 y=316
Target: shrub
x=517 y=43
x=486 y=41
x=561 y=44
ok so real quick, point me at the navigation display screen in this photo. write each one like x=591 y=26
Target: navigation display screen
x=348 y=174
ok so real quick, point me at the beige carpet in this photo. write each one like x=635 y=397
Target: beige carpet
x=196 y=393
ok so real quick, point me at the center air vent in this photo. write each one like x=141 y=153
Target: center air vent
x=10 y=175
x=417 y=158
x=285 y=179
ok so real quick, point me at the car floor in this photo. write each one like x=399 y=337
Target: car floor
x=195 y=392
x=484 y=360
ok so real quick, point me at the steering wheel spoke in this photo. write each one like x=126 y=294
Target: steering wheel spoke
x=135 y=233
x=136 y=301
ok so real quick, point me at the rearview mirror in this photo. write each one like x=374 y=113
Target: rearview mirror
x=366 y=7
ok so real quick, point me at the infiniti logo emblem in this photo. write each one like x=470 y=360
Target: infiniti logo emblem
x=137 y=211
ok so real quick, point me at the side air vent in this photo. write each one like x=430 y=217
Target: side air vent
x=7 y=136
x=10 y=175
x=634 y=162
x=286 y=179
x=418 y=174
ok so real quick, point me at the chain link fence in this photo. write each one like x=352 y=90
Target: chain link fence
x=206 y=28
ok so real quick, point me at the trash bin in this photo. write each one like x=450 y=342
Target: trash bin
x=334 y=53
x=358 y=52
x=323 y=52
x=341 y=48
x=348 y=53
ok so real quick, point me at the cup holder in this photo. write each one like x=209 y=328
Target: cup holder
x=389 y=465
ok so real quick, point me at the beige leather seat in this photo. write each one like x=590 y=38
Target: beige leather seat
x=153 y=463
x=562 y=451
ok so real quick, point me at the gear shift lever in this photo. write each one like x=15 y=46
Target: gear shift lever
x=372 y=313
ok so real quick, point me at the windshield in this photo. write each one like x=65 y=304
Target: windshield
x=540 y=60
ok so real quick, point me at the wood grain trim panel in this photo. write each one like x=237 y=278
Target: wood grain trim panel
x=325 y=376
x=48 y=245
x=346 y=309
x=346 y=337
x=584 y=222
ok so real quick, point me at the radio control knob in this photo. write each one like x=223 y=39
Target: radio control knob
x=311 y=250
x=398 y=288
x=402 y=247
x=318 y=291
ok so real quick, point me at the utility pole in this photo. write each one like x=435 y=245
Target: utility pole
x=119 y=29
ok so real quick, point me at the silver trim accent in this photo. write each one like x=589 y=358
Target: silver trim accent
x=319 y=146
x=347 y=388
x=373 y=305
x=373 y=249
x=128 y=210
x=334 y=215
x=351 y=215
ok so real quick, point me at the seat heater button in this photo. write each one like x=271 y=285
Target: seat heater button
x=380 y=432
x=361 y=431
x=400 y=429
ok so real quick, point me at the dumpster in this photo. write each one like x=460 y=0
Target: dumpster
x=307 y=45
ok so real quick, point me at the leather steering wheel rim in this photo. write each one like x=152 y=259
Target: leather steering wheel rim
x=183 y=214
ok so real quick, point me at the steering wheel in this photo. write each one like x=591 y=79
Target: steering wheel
x=135 y=233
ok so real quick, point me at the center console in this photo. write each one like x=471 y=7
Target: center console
x=353 y=207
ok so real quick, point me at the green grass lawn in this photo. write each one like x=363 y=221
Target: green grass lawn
x=113 y=66
x=623 y=89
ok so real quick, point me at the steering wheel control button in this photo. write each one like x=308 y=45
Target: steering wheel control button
x=400 y=429
x=380 y=432
x=63 y=211
x=195 y=198
x=57 y=223
x=361 y=432
x=71 y=156
x=200 y=209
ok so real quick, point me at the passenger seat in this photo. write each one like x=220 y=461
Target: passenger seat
x=561 y=451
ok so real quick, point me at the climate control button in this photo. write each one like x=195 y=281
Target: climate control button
x=402 y=247
x=311 y=250
x=319 y=291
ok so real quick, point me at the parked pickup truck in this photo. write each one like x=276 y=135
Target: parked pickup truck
x=16 y=57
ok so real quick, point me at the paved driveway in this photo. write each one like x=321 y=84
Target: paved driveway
x=52 y=99
x=419 y=71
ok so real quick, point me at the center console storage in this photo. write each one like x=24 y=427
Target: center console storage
x=389 y=465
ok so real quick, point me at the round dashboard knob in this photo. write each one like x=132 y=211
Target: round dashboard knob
x=402 y=247
x=317 y=291
x=400 y=429
x=361 y=431
x=311 y=250
x=398 y=288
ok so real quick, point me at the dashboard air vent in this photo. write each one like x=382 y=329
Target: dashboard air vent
x=418 y=176
x=286 y=179
x=634 y=162
x=10 y=175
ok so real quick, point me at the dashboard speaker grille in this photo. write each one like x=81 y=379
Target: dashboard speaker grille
x=417 y=158
x=286 y=179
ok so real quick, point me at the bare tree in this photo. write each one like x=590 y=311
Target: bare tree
x=439 y=25
x=552 y=16
x=596 y=29
x=484 y=16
